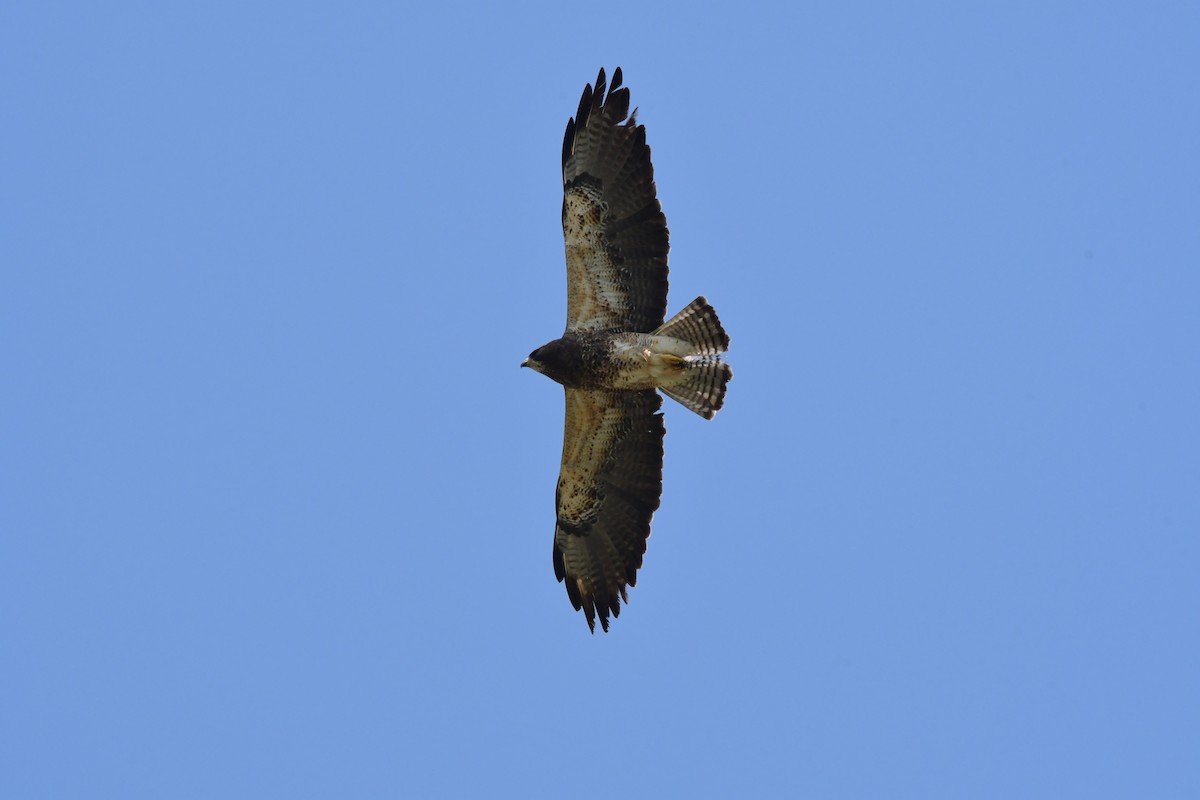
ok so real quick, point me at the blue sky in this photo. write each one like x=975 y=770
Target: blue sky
x=277 y=501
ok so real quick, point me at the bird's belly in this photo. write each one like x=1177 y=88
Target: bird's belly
x=646 y=362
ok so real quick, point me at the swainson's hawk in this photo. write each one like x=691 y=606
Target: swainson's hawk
x=616 y=351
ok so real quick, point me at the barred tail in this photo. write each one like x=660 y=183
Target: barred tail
x=697 y=324
x=703 y=387
x=703 y=390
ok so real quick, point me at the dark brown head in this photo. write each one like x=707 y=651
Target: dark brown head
x=559 y=360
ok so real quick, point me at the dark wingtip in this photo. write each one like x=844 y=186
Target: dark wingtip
x=595 y=97
x=568 y=138
x=585 y=104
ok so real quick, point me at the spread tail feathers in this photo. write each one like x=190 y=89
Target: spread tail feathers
x=703 y=388
x=697 y=324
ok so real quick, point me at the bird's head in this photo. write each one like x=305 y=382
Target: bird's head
x=534 y=362
x=554 y=360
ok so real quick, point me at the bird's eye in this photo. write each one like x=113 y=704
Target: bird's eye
x=534 y=355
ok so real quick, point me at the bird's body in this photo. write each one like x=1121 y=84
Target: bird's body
x=630 y=360
x=616 y=352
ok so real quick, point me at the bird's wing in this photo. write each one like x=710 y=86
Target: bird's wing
x=608 y=488
x=615 y=231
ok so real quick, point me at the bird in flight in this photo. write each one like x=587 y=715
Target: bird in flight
x=616 y=352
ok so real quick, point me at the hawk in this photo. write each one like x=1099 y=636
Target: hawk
x=616 y=352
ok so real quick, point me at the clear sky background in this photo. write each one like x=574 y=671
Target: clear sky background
x=277 y=501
